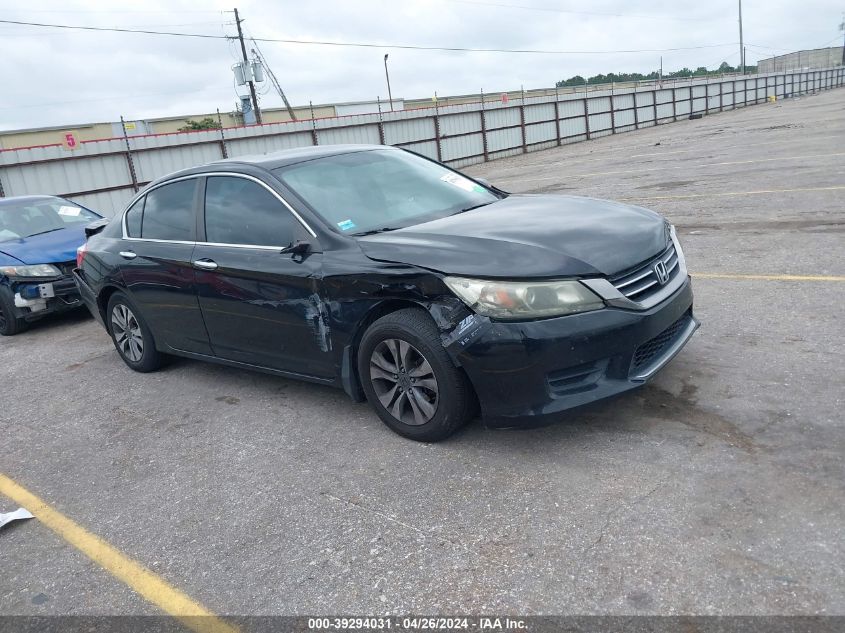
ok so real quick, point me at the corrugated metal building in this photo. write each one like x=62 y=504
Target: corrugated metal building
x=35 y=137
x=801 y=60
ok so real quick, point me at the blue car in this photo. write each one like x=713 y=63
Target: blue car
x=39 y=236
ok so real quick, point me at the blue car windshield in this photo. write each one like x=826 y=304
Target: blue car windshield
x=381 y=189
x=19 y=220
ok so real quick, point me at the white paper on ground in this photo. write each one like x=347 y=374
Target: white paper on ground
x=17 y=515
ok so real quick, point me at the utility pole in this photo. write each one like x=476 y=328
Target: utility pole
x=387 y=76
x=741 y=47
x=257 y=52
x=246 y=64
x=842 y=28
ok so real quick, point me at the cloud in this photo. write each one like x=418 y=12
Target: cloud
x=56 y=77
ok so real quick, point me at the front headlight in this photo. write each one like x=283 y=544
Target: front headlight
x=37 y=270
x=514 y=300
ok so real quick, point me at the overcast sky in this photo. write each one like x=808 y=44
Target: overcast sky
x=56 y=77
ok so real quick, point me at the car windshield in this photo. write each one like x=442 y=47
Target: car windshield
x=33 y=217
x=381 y=189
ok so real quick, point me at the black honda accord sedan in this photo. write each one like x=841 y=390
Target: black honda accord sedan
x=402 y=281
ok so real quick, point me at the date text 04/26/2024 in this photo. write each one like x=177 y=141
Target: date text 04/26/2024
x=416 y=624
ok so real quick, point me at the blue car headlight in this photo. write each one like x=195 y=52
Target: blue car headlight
x=30 y=271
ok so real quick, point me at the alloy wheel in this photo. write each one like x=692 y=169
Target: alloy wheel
x=404 y=381
x=127 y=333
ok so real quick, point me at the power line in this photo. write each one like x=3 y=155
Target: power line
x=146 y=26
x=491 y=50
x=769 y=48
x=790 y=50
x=112 y=29
x=723 y=59
x=168 y=11
x=365 y=44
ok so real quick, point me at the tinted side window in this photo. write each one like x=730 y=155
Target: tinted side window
x=240 y=211
x=169 y=212
x=133 y=218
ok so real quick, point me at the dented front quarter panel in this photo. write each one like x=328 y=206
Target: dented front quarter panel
x=356 y=291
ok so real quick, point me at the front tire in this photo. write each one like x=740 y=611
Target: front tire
x=10 y=323
x=410 y=380
x=131 y=336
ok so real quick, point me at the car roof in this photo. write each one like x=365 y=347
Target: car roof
x=294 y=155
x=19 y=199
x=272 y=160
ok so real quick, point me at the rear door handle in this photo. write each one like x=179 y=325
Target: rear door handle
x=205 y=264
x=128 y=255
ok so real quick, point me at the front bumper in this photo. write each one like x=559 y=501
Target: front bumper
x=525 y=373
x=33 y=299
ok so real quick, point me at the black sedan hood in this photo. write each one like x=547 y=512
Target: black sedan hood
x=528 y=236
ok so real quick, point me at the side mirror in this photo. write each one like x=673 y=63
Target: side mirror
x=299 y=247
x=96 y=226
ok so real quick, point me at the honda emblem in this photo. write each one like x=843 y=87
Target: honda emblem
x=661 y=273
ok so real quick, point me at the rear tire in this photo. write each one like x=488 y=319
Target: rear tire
x=131 y=337
x=10 y=323
x=410 y=380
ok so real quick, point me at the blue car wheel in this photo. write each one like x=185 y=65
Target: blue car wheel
x=10 y=323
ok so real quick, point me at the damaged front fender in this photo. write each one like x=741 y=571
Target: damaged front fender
x=459 y=326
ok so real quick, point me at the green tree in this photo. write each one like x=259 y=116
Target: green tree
x=701 y=71
x=206 y=123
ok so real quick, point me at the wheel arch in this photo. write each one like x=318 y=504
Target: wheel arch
x=103 y=301
x=436 y=310
x=350 y=380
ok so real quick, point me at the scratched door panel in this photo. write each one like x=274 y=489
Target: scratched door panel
x=263 y=308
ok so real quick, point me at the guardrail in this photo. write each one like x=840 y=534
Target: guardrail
x=104 y=174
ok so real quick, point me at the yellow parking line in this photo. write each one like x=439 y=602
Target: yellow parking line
x=770 y=277
x=140 y=579
x=734 y=193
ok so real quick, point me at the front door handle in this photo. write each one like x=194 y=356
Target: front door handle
x=128 y=255
x=205 y=264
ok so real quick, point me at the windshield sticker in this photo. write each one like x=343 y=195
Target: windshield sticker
x=346 y=225
x=463 y=183
x=71 y=211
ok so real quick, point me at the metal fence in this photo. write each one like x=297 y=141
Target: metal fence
x=104 y=174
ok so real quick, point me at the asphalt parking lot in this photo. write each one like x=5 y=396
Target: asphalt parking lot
x=717 y=489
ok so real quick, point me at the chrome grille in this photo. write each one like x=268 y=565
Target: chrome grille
x=641 y=281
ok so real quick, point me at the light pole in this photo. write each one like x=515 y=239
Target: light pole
x=741 y=47
x=387 y=76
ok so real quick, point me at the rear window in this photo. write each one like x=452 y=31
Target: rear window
x=29 y=218
x=134 y=217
